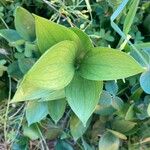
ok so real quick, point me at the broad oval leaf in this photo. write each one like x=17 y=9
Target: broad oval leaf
x=10 y=35
x=14 y=70
x=130 y=114
x=56 y=109
x=77 y=128
x=118 y=134
x=31 y=132
x=25 y=24
x=109 y=142
x=122 y=125
x=117 y=103
x=36 y=111
x=104 y=106
x=25 y=64
x=112 y=87
x=37 y=93
x=108 y=64
x=83 y=96
x=49 y=33
x=108 y=104
x=145 y=81
x=53 y=71
x=54 y=95
x=85 y=40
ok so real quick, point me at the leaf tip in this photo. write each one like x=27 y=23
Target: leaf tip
x=18 y=9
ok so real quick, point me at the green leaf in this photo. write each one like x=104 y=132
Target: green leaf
x=21 y=142
x=25 y=64
x=130 y=16
x=117 y=103
x=111 y=87
x=108 y=104
x=136 y=94
x=109 y=142
x=85 y=40
x=130 y=114
x=25 y=24
x=123 y=126
x=53 y=71
x=52 y=131
x=31 y=132
x=14 y=70
x=36 y=111
x=49 y=33
x=77 y=128
x=108 y=64
x=118 y=134
x=54 y=95
x=145 y=81
x=40 y=94
x=10 y=35
x=56 y=109
x=28 y=49
x=82 y=96
x=104 y=106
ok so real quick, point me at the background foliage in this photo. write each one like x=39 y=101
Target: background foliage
x=121 y=118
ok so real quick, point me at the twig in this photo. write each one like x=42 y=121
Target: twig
x=21 y=120
x=17 y=111
x=49 y=4
x=66 y=18
x=43 y=139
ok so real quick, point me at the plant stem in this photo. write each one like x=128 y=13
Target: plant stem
x=19 y=126
x=43 y=139
x=4 y=23
x=7 y=109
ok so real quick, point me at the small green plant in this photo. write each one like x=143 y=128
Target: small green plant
x=70 y=67
x=64 y=89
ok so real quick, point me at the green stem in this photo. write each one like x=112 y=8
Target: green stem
x=42 y=137
x=4 y=23
x=7 y=109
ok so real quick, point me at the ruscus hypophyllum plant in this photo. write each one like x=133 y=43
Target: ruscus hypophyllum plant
x=70 y=67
